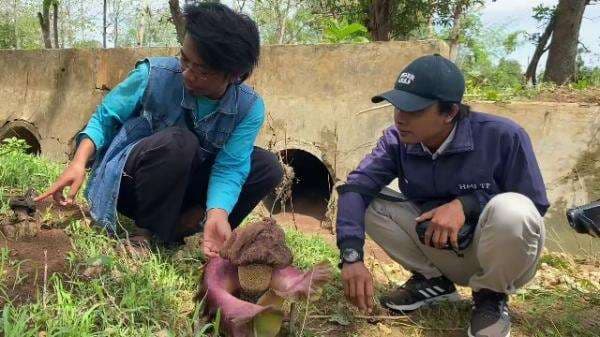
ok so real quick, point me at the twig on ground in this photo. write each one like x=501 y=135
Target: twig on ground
x=45 y=287
x=367 y=317
x=307 y=304
x=397 y=320
x=373 y=108
x=293 y=319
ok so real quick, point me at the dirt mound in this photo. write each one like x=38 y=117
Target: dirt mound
x=566 y=95
x=25 y=269
x=27 y=217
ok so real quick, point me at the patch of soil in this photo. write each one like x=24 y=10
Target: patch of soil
x=53 y=215
x=566 y=95
x=50 y=214
x=26 y=217
x=25 y=277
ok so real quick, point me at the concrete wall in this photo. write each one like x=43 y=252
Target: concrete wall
x=314 y=96
x=310 y=91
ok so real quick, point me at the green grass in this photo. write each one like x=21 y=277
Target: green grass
x=557 y=261
x=553 y=312
x=127 y=295
x=4 y=265
x=309 y=250
x=521 y=92
x=21 y=171
x=131 y=295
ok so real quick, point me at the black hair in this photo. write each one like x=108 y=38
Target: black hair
x=464 y=110
x=226 y=41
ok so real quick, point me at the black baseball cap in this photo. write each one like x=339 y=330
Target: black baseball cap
x=423 y=82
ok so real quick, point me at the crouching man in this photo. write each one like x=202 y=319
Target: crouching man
x=457 y=170
x=174 y=142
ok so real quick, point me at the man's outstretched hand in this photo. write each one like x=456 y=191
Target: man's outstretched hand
x=72 y=177
x=216 y=231
x=358 y=285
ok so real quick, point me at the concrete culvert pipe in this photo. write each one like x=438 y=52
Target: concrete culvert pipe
x=310 y=188
x=25 y=131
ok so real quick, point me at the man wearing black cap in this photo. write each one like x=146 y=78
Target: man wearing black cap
x=465 y=177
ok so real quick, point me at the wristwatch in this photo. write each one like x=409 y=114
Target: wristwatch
x=350 y=255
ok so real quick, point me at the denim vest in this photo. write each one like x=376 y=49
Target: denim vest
x=166 y=103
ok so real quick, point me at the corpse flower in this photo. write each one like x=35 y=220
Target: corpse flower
x=255 y=263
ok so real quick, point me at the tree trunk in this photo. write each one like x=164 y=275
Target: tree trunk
x=239 y=5
x=282 y=21
x=67 y=33
x=104 y=25
x=44 y=19
x=177 y=19
x=540 y=49
x=430 y=19
x=562 y=55
x=281 y=31
x=141 y=31
x=16 y=42
x=454 y=38
x=431 y=27
x=55 y=23
x=116 y=32
x=380 y=19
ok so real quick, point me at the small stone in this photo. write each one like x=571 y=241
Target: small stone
x=384 y=329
x=9 y=231
x=164 y=333
x=116 y=274
x=92 y=272
x=30 y=228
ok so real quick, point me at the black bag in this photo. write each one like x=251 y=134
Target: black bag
x=465 y=234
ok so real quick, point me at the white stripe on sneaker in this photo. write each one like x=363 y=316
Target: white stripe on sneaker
x=453 y=297
x=439 y=289
x=424 y=294
x=431 y=291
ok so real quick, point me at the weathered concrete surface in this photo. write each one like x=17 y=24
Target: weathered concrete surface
x=58 y=90
x=566 y=140
x=314 y=92
x=313 y=95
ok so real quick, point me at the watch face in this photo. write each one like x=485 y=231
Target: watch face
x=350 y=255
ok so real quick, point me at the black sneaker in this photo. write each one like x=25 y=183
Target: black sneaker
x=419 y=291
x=490 y=316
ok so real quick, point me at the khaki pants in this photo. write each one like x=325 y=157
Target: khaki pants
x=503 y=256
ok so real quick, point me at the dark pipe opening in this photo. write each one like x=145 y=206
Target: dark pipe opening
x=311 y=187
x=21 y=132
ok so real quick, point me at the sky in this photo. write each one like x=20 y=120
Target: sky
x=516 y=15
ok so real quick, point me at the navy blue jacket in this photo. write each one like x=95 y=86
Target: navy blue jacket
x=488 y=155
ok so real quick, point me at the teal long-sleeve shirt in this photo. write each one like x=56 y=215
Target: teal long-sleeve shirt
x=232 y=163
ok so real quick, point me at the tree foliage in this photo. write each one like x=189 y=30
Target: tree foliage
x=344 y=32
x=19 y=27
x=482 y=51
